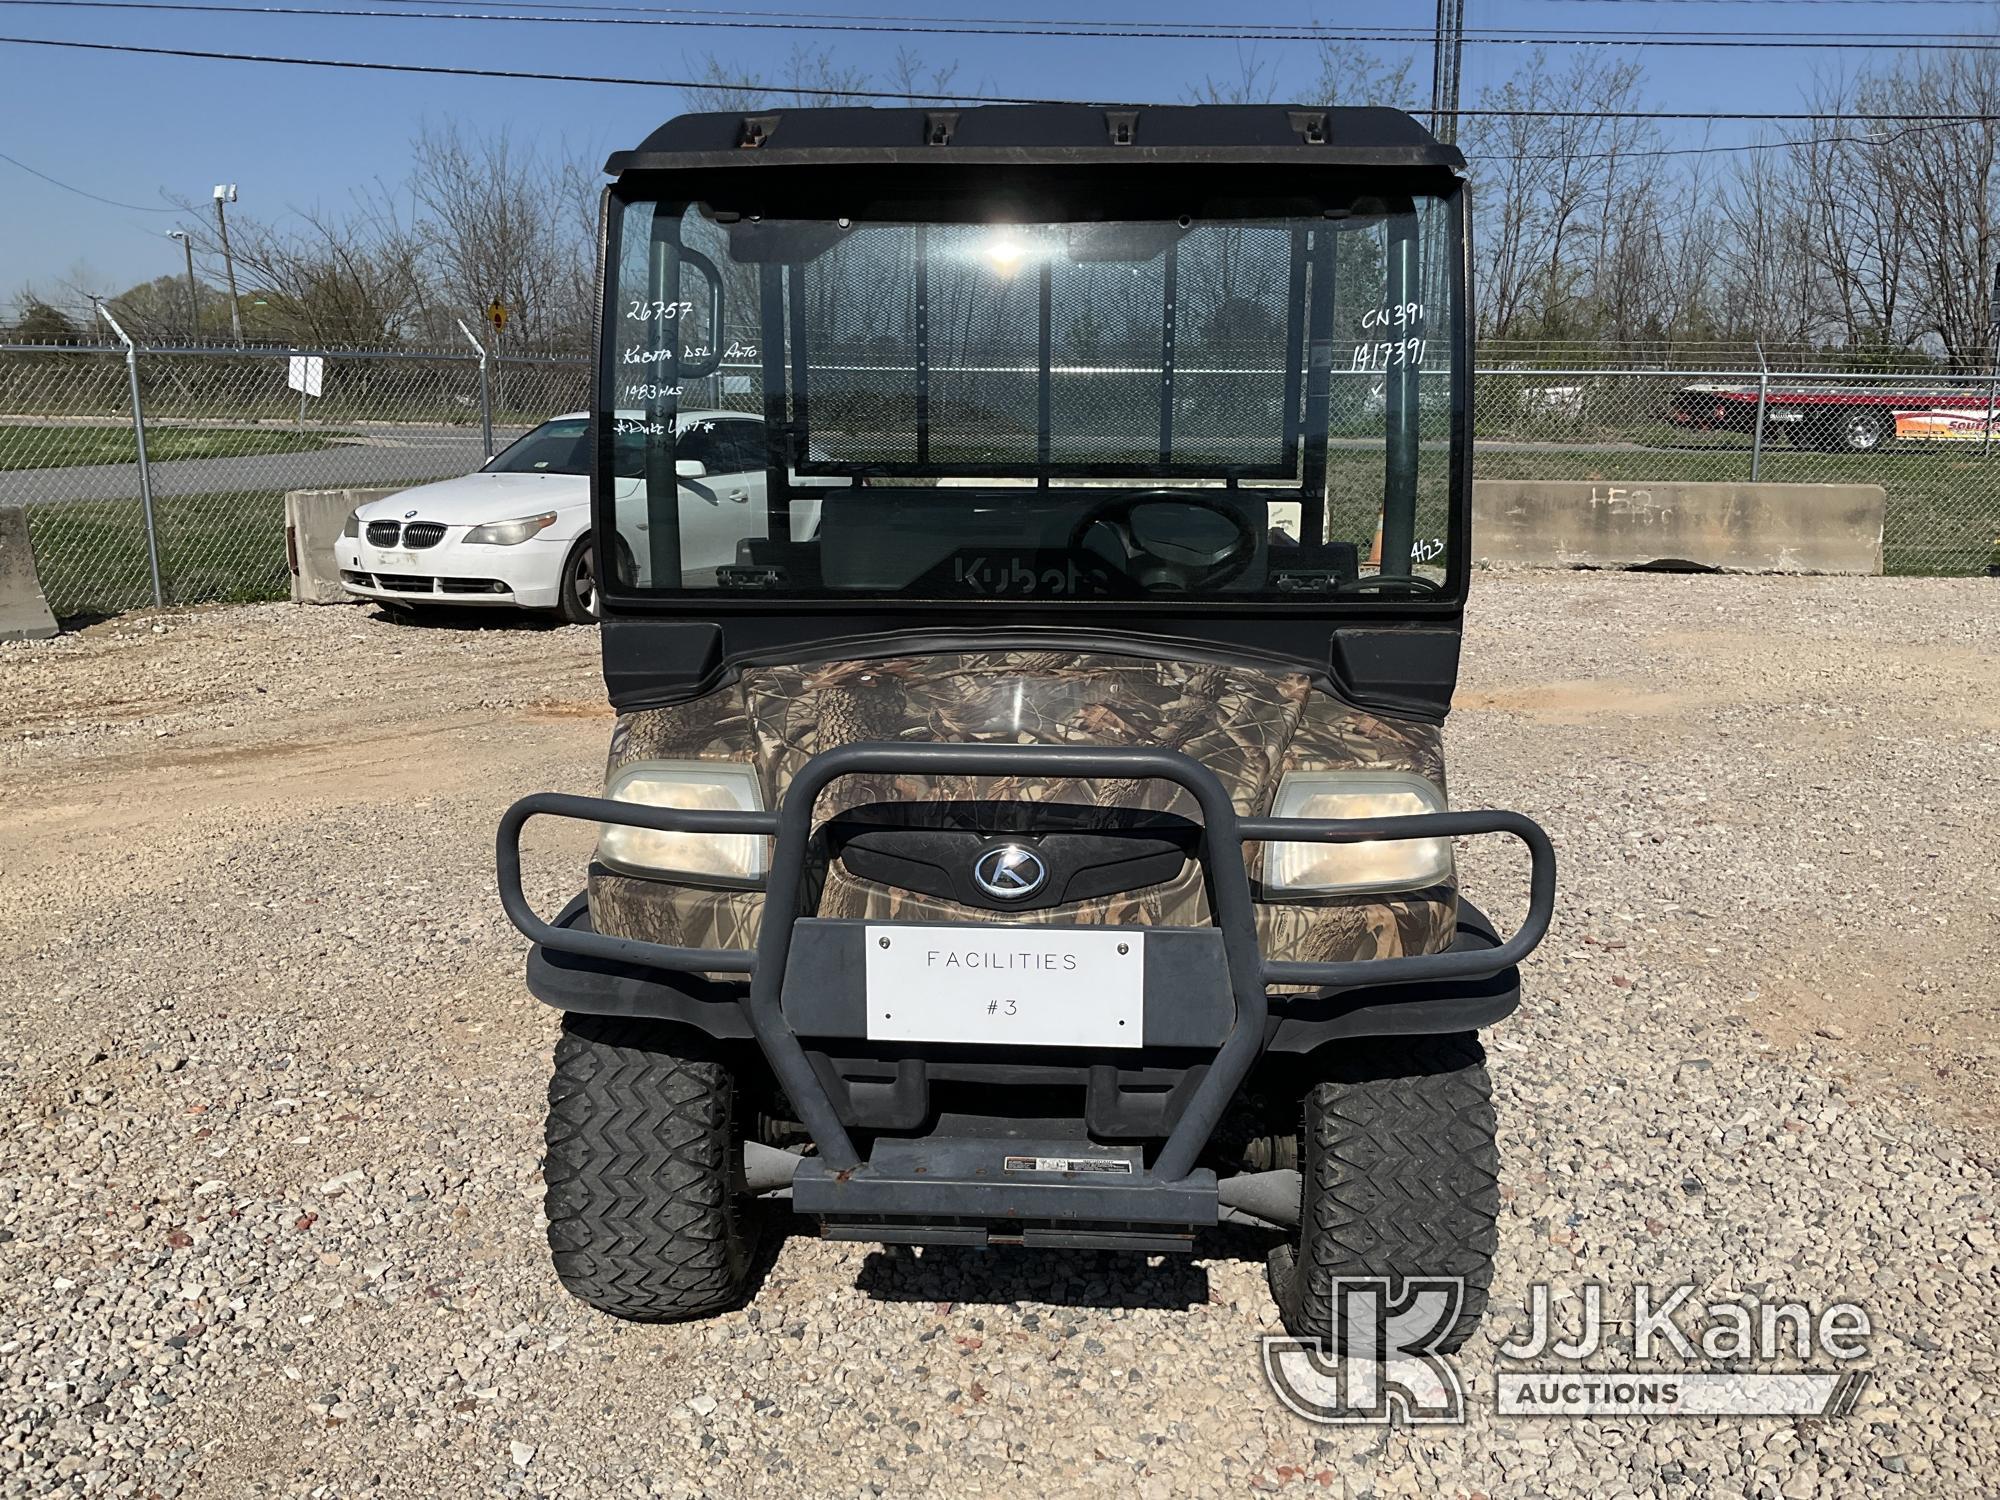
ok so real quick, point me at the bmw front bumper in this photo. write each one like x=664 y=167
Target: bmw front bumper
x=526 y=576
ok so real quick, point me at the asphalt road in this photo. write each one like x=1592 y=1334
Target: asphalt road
x=393 y=454
x=379 y=455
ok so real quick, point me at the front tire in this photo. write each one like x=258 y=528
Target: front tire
x=1863 y=430
x=576 y=597
x=647 y=1218
x=1399 y=1179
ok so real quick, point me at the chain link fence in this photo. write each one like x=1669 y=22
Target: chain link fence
x=228 y=431
x=1927 y=439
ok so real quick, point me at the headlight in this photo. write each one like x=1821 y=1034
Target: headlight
x=709 y=785
x=510 y=533
x=1373 y=864
x=353 y=526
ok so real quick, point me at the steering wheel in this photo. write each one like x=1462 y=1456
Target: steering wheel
x=1169 y=567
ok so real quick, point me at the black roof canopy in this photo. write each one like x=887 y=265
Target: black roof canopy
x=1042 y=134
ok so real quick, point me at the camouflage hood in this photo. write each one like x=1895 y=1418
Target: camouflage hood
x=1247 y=726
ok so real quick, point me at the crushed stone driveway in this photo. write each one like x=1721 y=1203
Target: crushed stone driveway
x=272 y=1088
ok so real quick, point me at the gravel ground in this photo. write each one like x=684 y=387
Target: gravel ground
x=269 y=1200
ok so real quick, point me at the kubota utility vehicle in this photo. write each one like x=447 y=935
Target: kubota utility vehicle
x=1034 y=831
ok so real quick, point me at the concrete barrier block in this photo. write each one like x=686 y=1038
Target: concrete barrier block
x=313 y=520
x=1761 y=528
x=24 y=610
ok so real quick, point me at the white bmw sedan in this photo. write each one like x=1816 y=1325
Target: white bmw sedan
x=517 y=533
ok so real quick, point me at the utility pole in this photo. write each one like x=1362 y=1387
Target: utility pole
x=225 y=192
x=1445 y=56
x=194 y=297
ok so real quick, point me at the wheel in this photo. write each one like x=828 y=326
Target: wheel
x=576 y=600
x=1400 y=1179
x=647 y=1219
x=1862 y=430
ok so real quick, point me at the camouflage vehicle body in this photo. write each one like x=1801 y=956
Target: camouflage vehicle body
x=1025 y=820
x=1251 y=727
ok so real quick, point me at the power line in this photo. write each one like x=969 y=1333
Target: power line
x=83 y=193
x=1763 y=117
x=1447 y=66
x=442 y=71
x=1392 y=36
x=824 y=15
x=1214 y=30
x=1899 y=4
x=1787 y=144
x=1221 y=27
x=1753 y=117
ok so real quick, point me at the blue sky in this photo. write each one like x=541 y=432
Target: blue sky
x=130 y=128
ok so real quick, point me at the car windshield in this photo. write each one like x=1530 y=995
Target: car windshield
x=558 y=447
x=1258 y=405
x=563 y=446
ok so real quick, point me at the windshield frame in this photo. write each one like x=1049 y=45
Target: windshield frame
x=874 y=197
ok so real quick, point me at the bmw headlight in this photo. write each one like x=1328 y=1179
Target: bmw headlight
x=510 y=533
x=1371 y=865
x=353 y=527
x=716 y=786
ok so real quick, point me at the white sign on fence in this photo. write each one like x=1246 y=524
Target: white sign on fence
x=307 y=374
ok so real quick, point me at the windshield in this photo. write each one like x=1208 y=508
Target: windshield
x=1257 y=406
x=563 y=445
x=558 y=447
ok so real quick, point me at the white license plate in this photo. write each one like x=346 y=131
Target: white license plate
x=1022 y=986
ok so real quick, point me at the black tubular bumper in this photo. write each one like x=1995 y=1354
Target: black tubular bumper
x=1299 y=1020
x=1241 y=974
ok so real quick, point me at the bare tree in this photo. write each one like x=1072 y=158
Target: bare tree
x=919 y=81
x=1560 y=185
x=1945 y=183
x=498 y=220
x=1765 y=270
x=1847 y=233
x=807 y=78
x=1874 y=235
x=1253 y=84
x=1351 y=74
x=324 y=276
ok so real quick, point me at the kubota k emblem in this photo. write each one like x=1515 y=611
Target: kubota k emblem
x=1010 y=873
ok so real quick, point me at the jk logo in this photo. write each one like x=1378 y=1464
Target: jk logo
x=1384 y=1364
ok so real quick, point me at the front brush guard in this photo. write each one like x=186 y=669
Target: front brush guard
x=1220 y=851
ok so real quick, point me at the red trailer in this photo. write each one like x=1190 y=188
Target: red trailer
x=1857 y=420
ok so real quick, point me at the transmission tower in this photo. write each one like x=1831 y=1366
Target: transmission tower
x=1444 y=69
